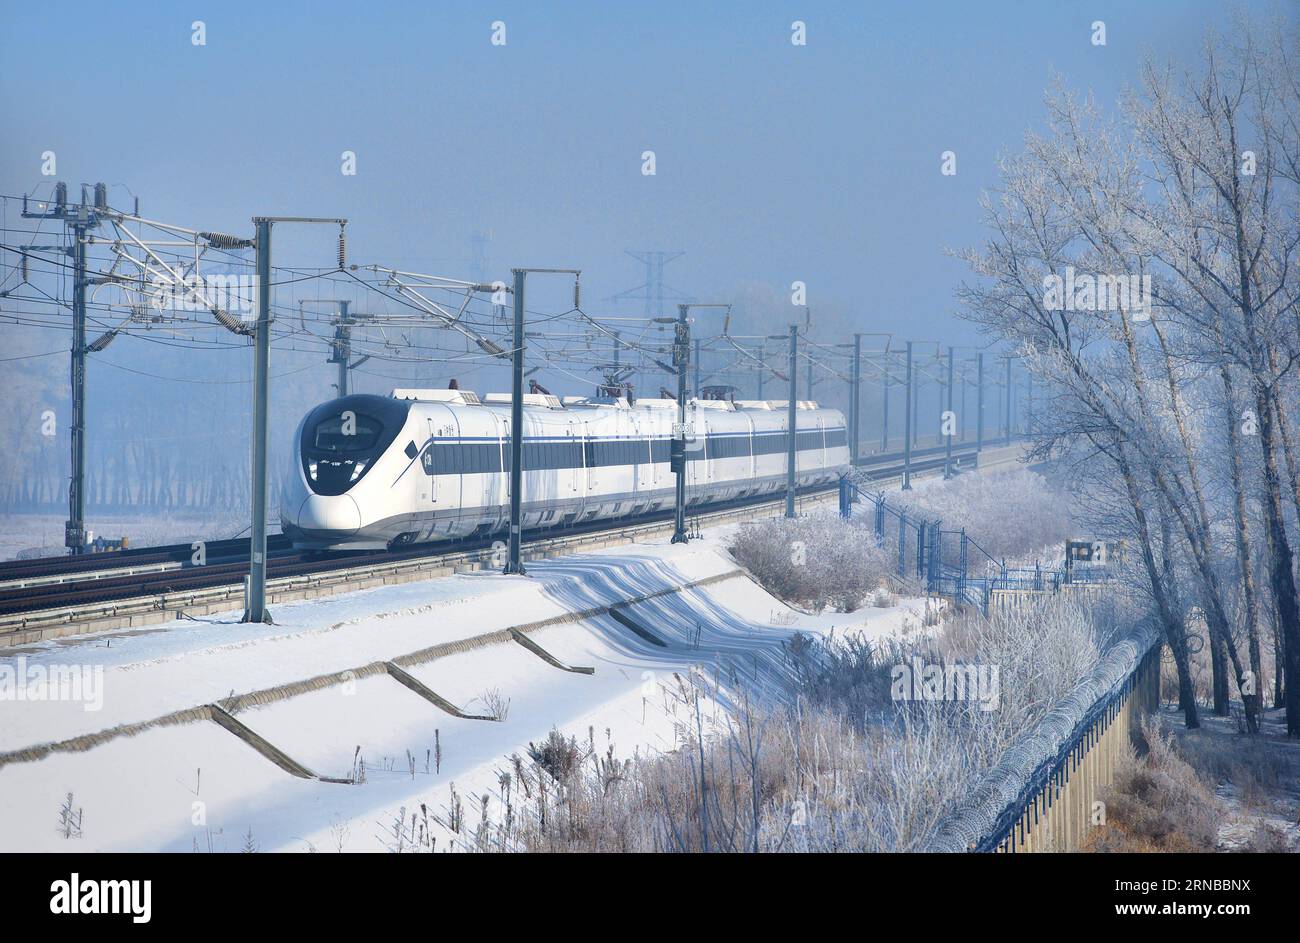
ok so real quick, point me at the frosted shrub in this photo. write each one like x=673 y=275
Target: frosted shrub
x=1010 y=513
x=814 y=562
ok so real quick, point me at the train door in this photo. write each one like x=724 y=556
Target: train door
x=594 y=474
x=430 y=491
x=645 y=468
x=573 y=469
x=585 y=456
x=423 y=520
x=752 y=442
x=697 y=454
x=489 y=481
x=652 y=433
x=503 y=479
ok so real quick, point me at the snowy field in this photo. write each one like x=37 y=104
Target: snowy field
x=41 y=535
x=196 y=786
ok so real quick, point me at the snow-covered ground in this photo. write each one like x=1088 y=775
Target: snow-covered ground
x=197 y=786
x=41 y=535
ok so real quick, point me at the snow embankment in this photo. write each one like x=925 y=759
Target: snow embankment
x=197 y=786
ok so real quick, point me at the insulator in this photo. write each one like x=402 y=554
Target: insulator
x=24 y=268
x=489 y=347
x=231 y=323
x=577 y=294
x=343 y=247
x=101 y=196
x=101 y=342
x=220 y=240
x=61 y=195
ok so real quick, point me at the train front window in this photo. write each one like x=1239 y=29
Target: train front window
x=347 y=432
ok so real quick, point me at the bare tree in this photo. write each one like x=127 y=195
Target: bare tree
x=1167 y=196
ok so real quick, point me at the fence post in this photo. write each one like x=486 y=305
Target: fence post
x=931 y=574
x=961 y=576
x=845 y=508
x=902 y=543
x=922 y=532
x=936 y=564
x=880 y=518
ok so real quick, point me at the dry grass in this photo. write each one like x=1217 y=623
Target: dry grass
x=1157 y=803
x=836 y=764
x=1201 y=791
x=1254 y=767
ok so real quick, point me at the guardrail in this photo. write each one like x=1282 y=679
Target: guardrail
x=1043 y=794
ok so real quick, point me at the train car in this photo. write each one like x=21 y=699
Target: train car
x=372 y=471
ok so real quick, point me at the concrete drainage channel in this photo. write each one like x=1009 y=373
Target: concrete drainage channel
x=224 y=713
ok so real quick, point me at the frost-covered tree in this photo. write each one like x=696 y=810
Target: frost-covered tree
x=1176 y=251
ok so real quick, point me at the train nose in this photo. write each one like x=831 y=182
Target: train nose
x=336 y=514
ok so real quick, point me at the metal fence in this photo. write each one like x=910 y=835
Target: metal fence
x=952 y=563
x=1044 y=793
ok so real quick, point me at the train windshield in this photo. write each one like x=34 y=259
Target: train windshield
x=341 y=440
x=348 y=432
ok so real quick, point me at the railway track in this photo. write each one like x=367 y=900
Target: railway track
x=41 y=599
x=40 y=571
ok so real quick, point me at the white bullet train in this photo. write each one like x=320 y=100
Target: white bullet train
x=370 y=471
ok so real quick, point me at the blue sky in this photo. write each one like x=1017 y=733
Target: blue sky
x=775 y=162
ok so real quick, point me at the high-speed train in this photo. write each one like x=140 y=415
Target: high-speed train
x=370 y=471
